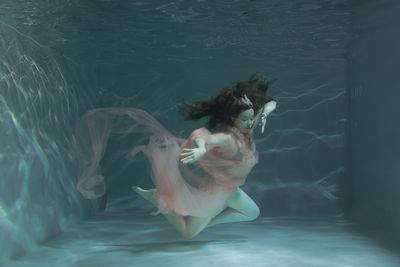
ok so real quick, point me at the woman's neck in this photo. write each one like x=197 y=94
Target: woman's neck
x=246 y=137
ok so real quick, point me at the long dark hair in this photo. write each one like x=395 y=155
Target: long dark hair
x=226 y=106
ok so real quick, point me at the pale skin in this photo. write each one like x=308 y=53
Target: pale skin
x=240 y=207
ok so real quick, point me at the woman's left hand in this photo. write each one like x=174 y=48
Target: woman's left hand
x=268 y=108
x=263 y=121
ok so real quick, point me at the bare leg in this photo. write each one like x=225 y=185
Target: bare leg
x=188 y=228
x=240 y=208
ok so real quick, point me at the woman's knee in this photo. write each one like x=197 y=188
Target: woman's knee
x=189 y=235
x=194 y=225
x=245 y=205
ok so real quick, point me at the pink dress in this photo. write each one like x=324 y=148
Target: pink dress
x=201 y=189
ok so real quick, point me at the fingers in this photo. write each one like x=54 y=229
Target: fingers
x=188 y=159
x=263 y=125
x=189 y=155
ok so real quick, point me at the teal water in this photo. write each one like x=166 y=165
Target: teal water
x=59 y=59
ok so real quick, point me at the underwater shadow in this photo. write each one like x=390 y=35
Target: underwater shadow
x=170 y=247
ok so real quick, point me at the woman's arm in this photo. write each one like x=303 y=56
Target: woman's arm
x=261 y=117
x=221 y=140
x=191 y=155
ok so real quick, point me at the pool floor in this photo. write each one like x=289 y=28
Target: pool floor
x=132 y=237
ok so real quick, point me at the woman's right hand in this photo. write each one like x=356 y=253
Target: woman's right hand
x=191 y=155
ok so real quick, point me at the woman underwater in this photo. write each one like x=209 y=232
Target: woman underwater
x=197 y=180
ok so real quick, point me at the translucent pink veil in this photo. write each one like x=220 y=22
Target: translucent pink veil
x=92 y=133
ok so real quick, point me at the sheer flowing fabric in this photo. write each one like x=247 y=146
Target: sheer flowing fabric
x=201 y=189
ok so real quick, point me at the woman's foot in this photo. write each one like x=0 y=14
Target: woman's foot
x=149 y=195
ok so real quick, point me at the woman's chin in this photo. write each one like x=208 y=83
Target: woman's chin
x=245 y=130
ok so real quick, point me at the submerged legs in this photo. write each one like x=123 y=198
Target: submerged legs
x=240 y=208
x=188 y=227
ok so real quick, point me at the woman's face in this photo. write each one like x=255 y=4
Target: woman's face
x=244 y=122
